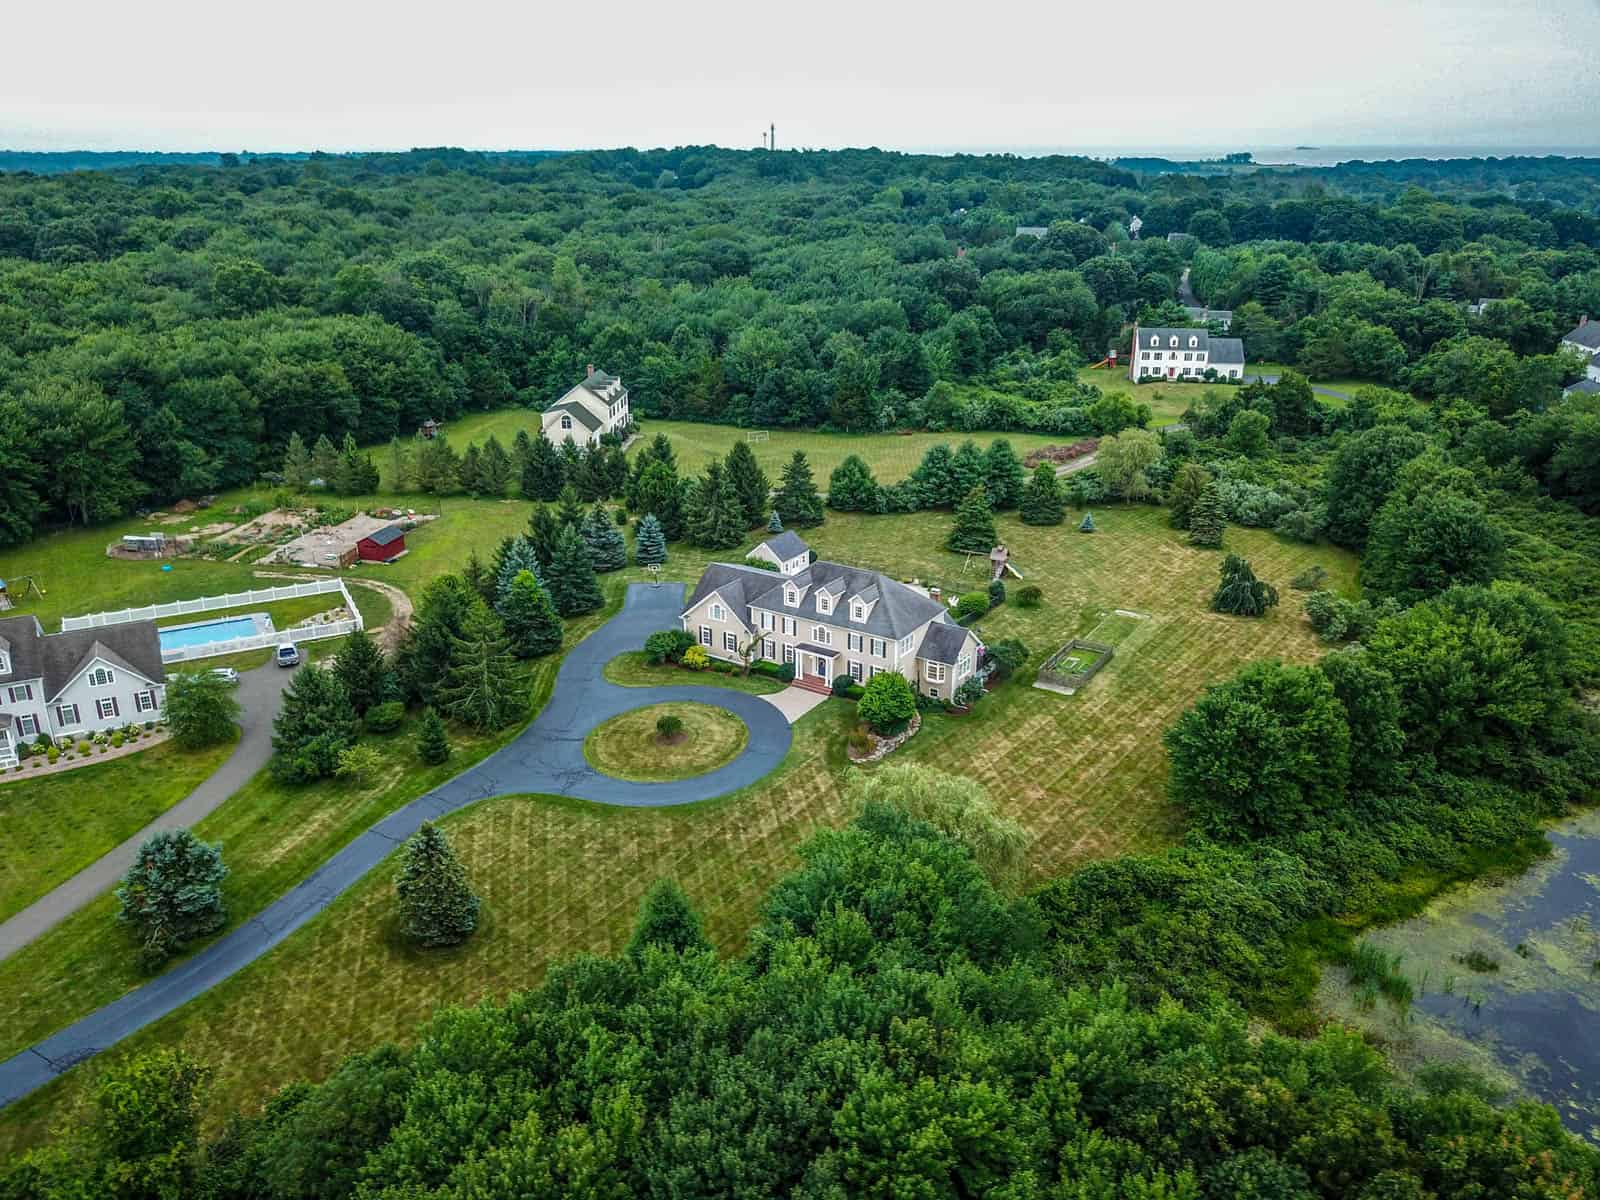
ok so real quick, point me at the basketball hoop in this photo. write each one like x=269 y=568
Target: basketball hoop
x=654 y=570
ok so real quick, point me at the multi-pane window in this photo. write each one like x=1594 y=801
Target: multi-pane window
x=822 y=635
x=963 y=664
x=145 y=701
x=769 y=649
x=705 y=635
x=905 y=644
x=21 y=692
x=791 y=597
x=66 y=715
x=788 y=654
x=852 y=641
x=101 y=677
x=27 y=726
x=766 y=620
x=824 y=603
x=566 y=422
x=106 y=706
x=879 y=647
x=716 y=612
x=855 y=670
x=730 y=642
x=935 y=672
x=788 y=626
x=858 y=612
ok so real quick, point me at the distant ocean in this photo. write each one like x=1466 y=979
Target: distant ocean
x=1304 y=156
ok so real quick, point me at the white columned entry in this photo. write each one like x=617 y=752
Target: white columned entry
x=822 y=667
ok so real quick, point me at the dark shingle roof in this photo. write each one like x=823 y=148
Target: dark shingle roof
x=943 y=642
x=1586 y=335
x=1166 y=333
x=900 y=610
x=735 y=584
x=58 y=657
x=389 y=533
x=1584 y=387
x=586 y=418
x=787 y=545
x=1226 y=351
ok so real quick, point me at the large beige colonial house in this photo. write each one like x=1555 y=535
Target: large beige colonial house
x=829 y=620
x=1183 y=355
x=589 y=411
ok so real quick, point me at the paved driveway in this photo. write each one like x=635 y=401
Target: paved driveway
x=259 y=693
x=545 y=757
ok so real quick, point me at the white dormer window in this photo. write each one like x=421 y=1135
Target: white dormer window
x=5 y=664
x=1194 y=341
x=791 y=598
x=101 y=677
x=1154 y=340
x=824 y=603
x=858 y=611
x=566 y=422
x=1173 y=341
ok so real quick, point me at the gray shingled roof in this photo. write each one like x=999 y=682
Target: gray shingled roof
x=787 y=545
x=1165 y=333
x=1586 y=335
x=585 y=417
x=900 y=610
x=57 y=657
x=943 y=642
x=384 y=536
x=1226 y=351
x=1584 y=387
x=1208 y=314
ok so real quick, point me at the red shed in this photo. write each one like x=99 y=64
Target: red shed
x=387 y=543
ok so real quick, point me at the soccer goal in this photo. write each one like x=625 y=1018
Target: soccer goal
x=756 y=435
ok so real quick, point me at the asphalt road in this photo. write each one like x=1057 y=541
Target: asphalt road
x=259 y=693
x=546 y=757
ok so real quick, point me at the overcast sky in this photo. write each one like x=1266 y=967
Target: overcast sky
x=324 y=74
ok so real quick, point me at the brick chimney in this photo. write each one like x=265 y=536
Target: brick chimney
x=591 y=369
x=1583 y=320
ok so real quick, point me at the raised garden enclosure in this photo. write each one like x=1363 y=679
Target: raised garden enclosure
x=1072 y=666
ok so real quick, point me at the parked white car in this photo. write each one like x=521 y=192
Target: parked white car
x=227 y=674
x=287 y=655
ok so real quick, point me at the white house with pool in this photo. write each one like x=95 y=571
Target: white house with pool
x=65 y=685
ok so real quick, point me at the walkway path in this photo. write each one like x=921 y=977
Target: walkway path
x=259 y=692
x=546 y=757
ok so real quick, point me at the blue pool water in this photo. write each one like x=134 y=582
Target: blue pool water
x=210 y=631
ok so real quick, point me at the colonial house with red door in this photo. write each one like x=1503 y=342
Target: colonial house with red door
x=66 y=685
x=829 y=620
x=1183 y=356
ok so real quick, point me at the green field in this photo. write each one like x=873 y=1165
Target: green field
x=58 y=824
x=628 y=746
x=1086 y=774
x=633 y=670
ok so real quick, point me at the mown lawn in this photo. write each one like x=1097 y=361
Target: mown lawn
x=58 y=824
x=630 y=746
x=1086 y=774
x=273 y=835
x=634 y=670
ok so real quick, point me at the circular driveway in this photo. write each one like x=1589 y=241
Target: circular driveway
x=545 y=757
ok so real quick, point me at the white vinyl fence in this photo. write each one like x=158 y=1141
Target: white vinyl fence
x=205 y=604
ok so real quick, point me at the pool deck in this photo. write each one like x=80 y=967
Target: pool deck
x=260 y=623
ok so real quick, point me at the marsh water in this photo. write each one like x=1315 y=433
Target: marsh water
x=1507 y=979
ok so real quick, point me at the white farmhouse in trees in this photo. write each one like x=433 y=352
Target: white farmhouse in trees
x=1183 y=355
x=71 y=684
x=592 y=409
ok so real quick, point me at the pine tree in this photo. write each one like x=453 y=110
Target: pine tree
x=608 y=549
x=515 y=555
x=1206 y=521
x=616 y=473
x=650 y=546
x=532 y=624
x=424 y=653
x=521 y=452
x=1187 y=483
x=479 y=577
x=933 y=478
x=851 y=487
x=543 y=531
x=470 y=472
x=1002 y=474
x=974 y=527
x=750 y=484
x=797 y=497
x=315 y=721
x=661 y=493
x=402 y=467
x=570 y=578
x=590 y=480
x=494 y=470
x=966 y=471
x=668 y=921
x=571 y=462
x=775 y=523
x=541 y=477
x=297 y=464
x=438 y=467
x=718 y=520
x=350 y=475
x=481 y=688
x=1041 y=497
x=437 y=906
x=433 y=744
x=362 y=670
x=1087 y=524
x=173 y=893
x=569 y=510
x=1240 y=592
x=324 y=461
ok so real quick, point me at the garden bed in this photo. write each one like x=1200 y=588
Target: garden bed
x=1072 y=666
x=882 y=747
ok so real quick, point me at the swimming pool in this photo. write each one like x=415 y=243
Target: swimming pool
x=204 y=632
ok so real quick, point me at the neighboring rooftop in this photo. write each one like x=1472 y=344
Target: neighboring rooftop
x=57 y=657
x=584 y=417
x=389 y=533
x=1584 y=387
x=1226 y=351
x=1587 y=335
x=786 y=545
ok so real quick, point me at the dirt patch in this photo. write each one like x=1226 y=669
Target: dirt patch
x=1060 y=454
x=676 y=739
